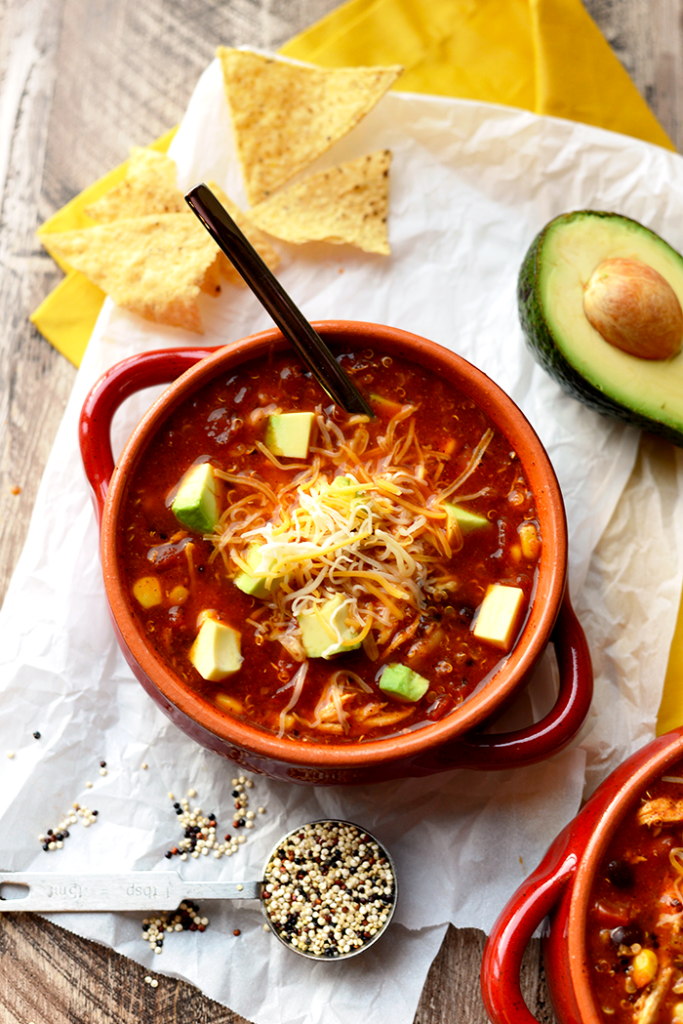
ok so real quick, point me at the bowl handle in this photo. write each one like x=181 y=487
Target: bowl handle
x=499 y=751
x=107 y=394
x=505 y=946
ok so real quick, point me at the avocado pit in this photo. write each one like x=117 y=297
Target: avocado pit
x=634 y=309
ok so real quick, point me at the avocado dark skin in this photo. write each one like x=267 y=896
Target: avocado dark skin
x=541 y=342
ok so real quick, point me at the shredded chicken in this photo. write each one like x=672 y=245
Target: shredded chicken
x=647 y=1006
x=661 y=811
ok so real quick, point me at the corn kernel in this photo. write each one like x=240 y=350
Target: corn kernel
x=229 y=704
x=147 y=590
x=677 y=1013
x=528 y=537
x=515 y=552
x=179 y=594
x=644 y=967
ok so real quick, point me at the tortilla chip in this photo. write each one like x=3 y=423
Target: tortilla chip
x=256 y=237
x=149 y=187
x=285 y=115
x=345 y=204
x=154 y=266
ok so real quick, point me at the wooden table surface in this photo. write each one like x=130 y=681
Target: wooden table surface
x=80 y=81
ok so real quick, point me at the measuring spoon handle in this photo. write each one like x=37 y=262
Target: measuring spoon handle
x=135 y=890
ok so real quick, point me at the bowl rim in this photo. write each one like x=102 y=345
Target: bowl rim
x=549 y=590
x=667 y=750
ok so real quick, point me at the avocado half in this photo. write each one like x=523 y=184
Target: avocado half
x=643 y=392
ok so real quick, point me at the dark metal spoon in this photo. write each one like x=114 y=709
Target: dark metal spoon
x=288 y=317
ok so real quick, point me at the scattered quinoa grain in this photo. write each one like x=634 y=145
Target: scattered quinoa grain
x=144 y=765
x=185 y=919
x=10 y=754
x=200 y=829
x=53 y=839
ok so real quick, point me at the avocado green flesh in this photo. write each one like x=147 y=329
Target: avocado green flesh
x=646 y=393
x=196 y=504
x=402 y=683
x=318 y=641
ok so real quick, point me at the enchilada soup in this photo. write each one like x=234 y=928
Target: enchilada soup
x=635 y=920
x=324 y=576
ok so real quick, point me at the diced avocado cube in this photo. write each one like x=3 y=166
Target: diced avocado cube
x=324 y=632
x=401 y=683
x=196 y=504
x=255 y=585
x=498 y=614
x=466 y=520
x=215 y=652
x=289 y=434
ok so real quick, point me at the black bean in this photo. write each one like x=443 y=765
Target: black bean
x=627 y=934
x=620 y=874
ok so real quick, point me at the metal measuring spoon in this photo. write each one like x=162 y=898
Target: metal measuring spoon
x=332 y=378
x=328 y=890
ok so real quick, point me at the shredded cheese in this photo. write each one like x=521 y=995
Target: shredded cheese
x=364 y=519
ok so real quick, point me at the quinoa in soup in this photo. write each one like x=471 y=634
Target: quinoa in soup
x=324 y=576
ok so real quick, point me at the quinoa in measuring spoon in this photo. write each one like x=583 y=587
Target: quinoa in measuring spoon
x=329 y=889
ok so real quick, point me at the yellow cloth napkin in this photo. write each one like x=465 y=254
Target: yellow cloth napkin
x=68 y=314
x=517 y=52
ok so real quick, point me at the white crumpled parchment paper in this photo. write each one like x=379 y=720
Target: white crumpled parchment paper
x=471 y=185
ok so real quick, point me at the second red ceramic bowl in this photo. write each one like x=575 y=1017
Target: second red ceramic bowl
x=458 y=739
x=559 y=892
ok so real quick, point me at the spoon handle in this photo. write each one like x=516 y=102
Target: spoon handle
x=288 y=317
x=135 y=890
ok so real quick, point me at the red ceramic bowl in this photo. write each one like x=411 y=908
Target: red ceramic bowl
x=456 y=740
x=560 y=889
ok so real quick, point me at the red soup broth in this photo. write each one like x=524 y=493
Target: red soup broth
x=635 y=918
x=364 y=515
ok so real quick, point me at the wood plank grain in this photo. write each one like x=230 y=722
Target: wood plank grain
x=648 y=40
x=35 y=380
x=48 y=974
